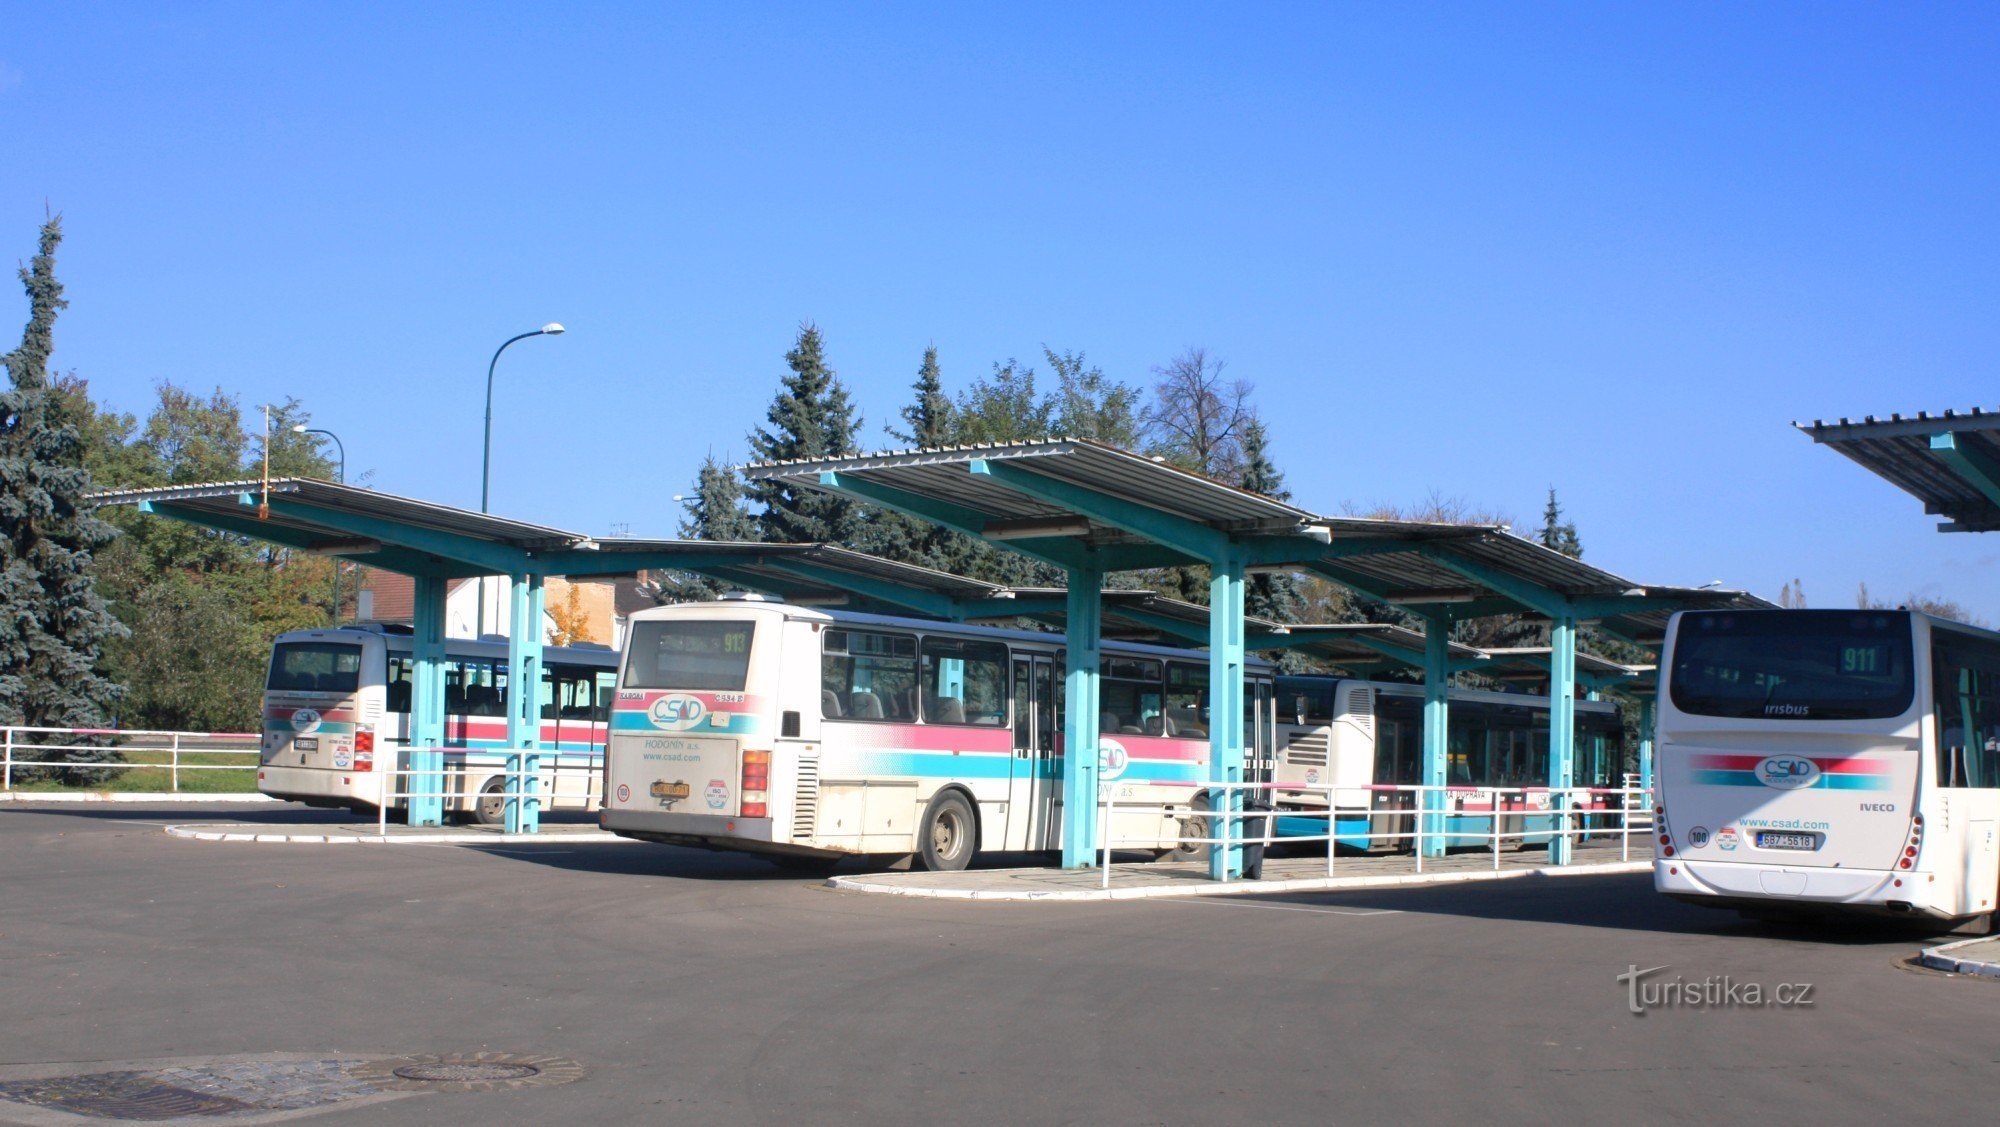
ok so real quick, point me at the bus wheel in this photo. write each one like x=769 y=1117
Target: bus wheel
x=491 y=809
x=1194 y=826
x=947 y=839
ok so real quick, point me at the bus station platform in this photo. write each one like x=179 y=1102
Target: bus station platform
x=1138 y=881
x=373 y=833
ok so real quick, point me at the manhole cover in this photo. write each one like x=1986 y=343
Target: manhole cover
x=467 y=1072
x=437 y=1072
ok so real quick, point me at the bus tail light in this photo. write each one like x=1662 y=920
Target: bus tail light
x=364 y=751
x=756 y=784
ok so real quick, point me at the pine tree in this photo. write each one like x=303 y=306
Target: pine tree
x=1557 y=533
x=53 y=625
x=930 y=416
x=811 y=417
x=1269 y=596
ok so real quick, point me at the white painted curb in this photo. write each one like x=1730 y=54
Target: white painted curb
x=864 y=884
x=1943 y=957
x=156 y=797
x=197 y=833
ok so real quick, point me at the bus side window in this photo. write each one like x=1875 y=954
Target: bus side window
x=607 y=691
x=397 y=699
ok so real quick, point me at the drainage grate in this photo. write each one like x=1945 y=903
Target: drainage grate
x=468 y=1072
x=463 y=1072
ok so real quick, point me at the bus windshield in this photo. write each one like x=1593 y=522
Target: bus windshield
x=677 y=654
x=1793 y=664
x=315 y=667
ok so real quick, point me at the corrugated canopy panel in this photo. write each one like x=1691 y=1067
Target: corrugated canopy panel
x=222 y=499
x=1409 y=563
x=1958 y=479
x=942 y=475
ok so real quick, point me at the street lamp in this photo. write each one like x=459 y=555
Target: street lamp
x=301 y=428
x=552 y=329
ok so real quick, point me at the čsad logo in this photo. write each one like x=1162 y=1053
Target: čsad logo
x=677 y=713
x=1112 y=759
x=305 y=720
x=1788 y=772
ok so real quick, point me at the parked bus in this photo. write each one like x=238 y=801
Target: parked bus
x=1829 y=760
x=337 y=706
x=1365 y=738
x=806 y=735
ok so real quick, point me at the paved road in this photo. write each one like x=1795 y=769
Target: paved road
x=713 y=989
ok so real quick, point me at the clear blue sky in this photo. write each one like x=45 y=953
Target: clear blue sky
x=1467 y=250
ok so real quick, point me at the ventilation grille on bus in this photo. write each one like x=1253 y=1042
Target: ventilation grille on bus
x=1307 y=749
x=805 y=800
x=1361 y=708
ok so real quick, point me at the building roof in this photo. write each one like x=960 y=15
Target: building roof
x=1950 y=462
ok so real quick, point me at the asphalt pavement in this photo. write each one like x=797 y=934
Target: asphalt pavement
x=714 y=988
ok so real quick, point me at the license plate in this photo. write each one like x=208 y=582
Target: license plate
x=670 y=790
x=1766 y=840
x=306 y=745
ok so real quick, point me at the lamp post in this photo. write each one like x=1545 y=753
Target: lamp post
x=301 y=428
x=552 y=329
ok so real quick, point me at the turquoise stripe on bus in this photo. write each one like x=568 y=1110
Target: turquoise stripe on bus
x=1827 y=781
x=944 y=765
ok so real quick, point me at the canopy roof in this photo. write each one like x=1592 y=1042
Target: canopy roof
x=1950 y=462
x=1078 y=503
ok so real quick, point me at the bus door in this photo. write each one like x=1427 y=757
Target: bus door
x=1032 y=822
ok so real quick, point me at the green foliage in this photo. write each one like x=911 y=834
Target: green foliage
x=1557 y=533
x=713 y=512
x=811 y=417
x=930 y=417
x=53 y=624
x=1273 y=596
x=1087 y=404
x=1003 y=407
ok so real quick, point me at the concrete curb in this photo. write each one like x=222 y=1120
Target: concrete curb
x=1943 y=957
x=198 y=833
x=871 y=885
x=168 y=798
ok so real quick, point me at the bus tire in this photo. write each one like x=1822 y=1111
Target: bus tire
x=1195 y=825
x=949 y=835
x=491 y=807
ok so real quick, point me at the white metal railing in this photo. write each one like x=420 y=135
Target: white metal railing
x=1568 y=814
x=517 y=782
x=24 y=747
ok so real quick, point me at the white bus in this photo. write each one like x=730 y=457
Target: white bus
x=1365 y=740
x=1829 y=760
x=806 y=735
x=337 y=707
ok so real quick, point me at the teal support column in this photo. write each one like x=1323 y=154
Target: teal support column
x=524 y=703
x=1225 y=708
x=1562 y=728
x=426 y=761
x=1437 y=729
x=1646 y=749
x=1080 y=703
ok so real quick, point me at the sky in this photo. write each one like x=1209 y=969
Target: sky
x=1465 y=251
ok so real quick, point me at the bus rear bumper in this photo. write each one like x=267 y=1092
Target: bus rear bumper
x=716 y=831
x=1729 y=885
x=315 y=787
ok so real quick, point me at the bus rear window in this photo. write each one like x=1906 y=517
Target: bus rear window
x=1793 y=664
x=677 y=654
x=315 y=667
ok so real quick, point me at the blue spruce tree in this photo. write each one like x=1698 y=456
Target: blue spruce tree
x=53 y=625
